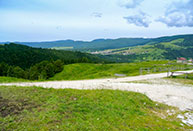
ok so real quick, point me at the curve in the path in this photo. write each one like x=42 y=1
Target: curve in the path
x=171 y=94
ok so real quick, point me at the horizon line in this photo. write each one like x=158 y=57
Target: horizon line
x=96 y=39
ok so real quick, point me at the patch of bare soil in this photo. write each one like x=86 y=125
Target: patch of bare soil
x=11 y=107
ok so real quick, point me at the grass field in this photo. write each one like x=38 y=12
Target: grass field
x=31 y=108
x=11 y=79
x=93 y=71
x=62 y=48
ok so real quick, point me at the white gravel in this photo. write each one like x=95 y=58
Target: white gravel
x=187 y=118
x=159 y=90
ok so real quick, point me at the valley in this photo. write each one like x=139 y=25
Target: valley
x=96 y=65
x=69 y=88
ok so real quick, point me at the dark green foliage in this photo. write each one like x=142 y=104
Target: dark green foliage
x=3 y=69
x=6 y=70
x=18 y=72
x=9 y=72
x=25 y=57
x=43 y=70
x=58 y=66
x=40 y=71
x=172 y=54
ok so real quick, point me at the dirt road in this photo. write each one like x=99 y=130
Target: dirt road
x=157 y=89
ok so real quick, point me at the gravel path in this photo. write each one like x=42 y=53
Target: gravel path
x=157 y=89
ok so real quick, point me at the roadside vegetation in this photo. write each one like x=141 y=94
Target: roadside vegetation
x=183 y=79
x=32 y=108
x=11 y=79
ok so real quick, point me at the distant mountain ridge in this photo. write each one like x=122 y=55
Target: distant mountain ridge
x=103 y=44
x=98 y=44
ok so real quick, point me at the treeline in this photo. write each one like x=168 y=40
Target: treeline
x=25 y=57
x=41 y=71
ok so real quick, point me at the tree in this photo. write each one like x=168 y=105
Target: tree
x=4 y=69
x=43 y=75
x=18 y=72
x=84 y=60
x=58 y=66
x=10 y=72
x=33 y=73
x=49 y=68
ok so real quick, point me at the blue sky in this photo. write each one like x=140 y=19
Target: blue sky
x=47 y=20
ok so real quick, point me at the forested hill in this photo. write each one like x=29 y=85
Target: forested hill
x=24 y=56
x=165 y=48
x=104 y=44
x=99 y=44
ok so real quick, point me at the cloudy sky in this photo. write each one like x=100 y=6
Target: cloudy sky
x=46 y=20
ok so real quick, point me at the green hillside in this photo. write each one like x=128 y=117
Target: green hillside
x=99 y=44
x=24 y=56
x=93 y=71
x=170 y=50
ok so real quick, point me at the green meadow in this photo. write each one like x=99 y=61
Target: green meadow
x=4 y=79
x=95 y=71
x=32 y=108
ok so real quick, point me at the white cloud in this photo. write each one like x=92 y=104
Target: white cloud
x=178 y=14
x=129 y=3
x=97 y=14
x=141 y=19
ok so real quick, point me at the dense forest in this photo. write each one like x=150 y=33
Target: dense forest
x=40 y=71
x=24 y=56
x=35 y=63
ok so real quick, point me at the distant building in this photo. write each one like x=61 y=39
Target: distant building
x=181 y=60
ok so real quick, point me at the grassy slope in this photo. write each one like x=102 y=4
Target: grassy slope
x=158 y=51
x=150 y=48
x=31 y=108
x=11 y=79
x=92 y=71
